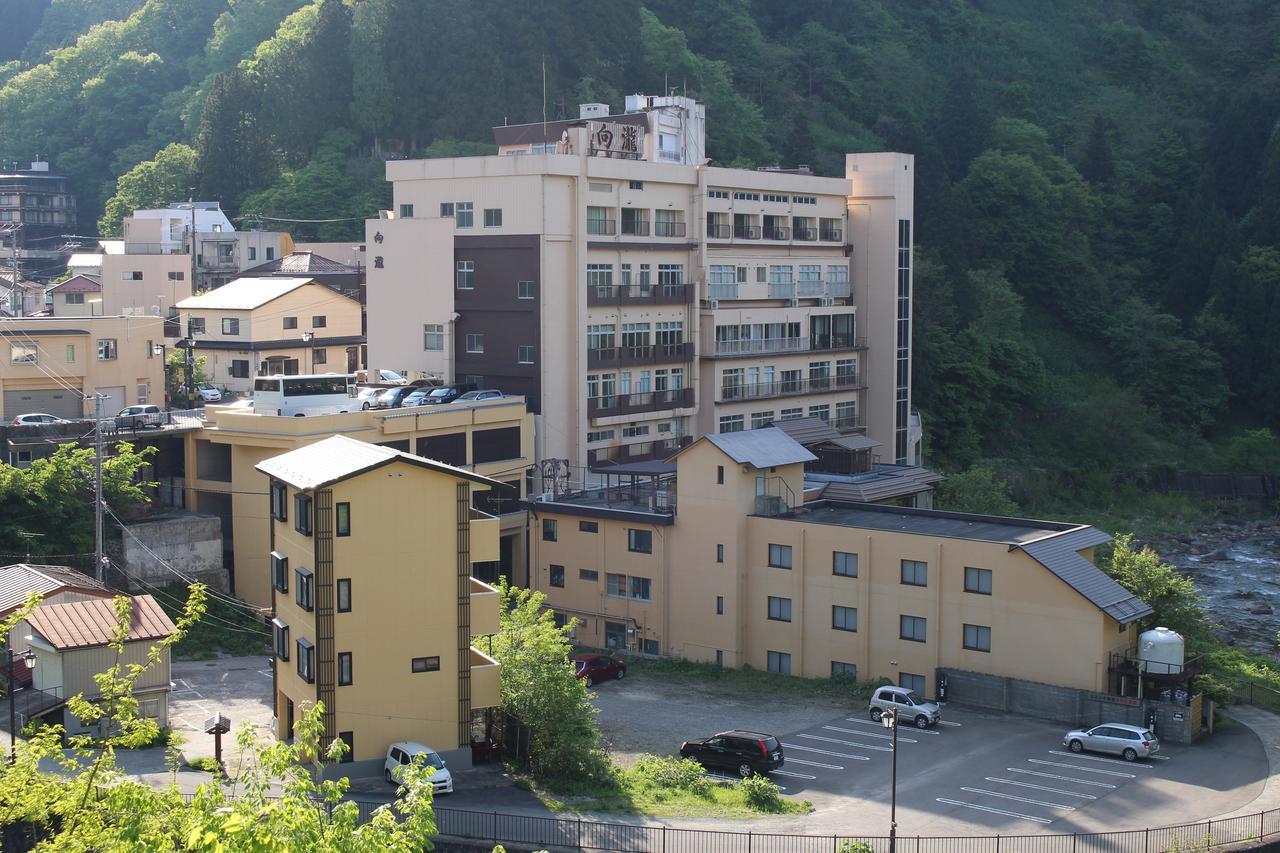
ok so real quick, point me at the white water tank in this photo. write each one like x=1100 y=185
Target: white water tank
x=1162 y=650
x=593 y=110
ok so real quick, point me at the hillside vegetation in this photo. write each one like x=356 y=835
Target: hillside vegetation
x=1098 y=183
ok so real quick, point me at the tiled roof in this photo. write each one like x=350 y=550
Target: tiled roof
x=84 y=624
x=301 y=263
x=18 y=581
x=245 y=294
x=339 y=457
x=1060 y=555
x=78 y=284
x=759 y=448
x=881 y=483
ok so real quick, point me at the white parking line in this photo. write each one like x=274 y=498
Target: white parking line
x=1019 y=799
x=825 y=752
x=848 y=743
x=949 y=723
x=789 y=773
x=1081 y=769
x=1159 y=757
x=1040 y=788
x=905 y=725
x=1063 y=778
x=869 y=734
x=994 y=811
x=814 y=763
x=266 y=673
x=1099 y=758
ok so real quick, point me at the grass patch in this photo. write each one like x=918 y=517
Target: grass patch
x=206 y=763
x=225 y=629
x=749 y=683
x=670 y=787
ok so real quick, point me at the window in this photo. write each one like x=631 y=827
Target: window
x=306 y=660
x=779 y=609
x=342 y=519
x=804 y=199
x=475 y=342
x=344 y=595
x=493 y=217
x=446 y=209
x=464 y=214
x=780 y=556
x=732 y=423
x=524 y=355
x=302 y=514
x=279 y=571
x=430 y=664
x=745 y=196
x=291 y=322
x=230 y=326
x=195 y=325
x=649 y=647
x=24 y=353
x=720 y=553
x=557 y=575
x=760 y=420
x=279 y=502
x=75 y=298
x=550 y=529
x=349 y=740
x=271 y=252
x=977 y=580
x=840 y=669
x=71 y=353
x=717 y=193
x=719 y=657
x=131 y=275
x=524 y=290
x=344 y=669
x=635 y=185
x=319 y=356
x=779 y=662
x=977 y=638
x=640 y=541
x=304 y=588
x=253 y=254
x=844 y=618
x=600 y=187
x=719 y=605
x=911 y=628
x=239 y=368
x=915 y=573
x=615 y=585
x=844 y=564
x=319 y=321
x=465 y=276
x=590 y=575
x=107 y=349
x=719 y=475
x=406 y=211
x=914 y=683
x=640 y=588
x=588 y=527
x=635 y=431
x=280 y=638
x=791 y=414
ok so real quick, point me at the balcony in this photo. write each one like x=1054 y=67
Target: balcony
x=486 y=680
x=606 y=357
x=756 y=346
x=811 y=288
x=834 y=235
x=484 y=608
x=668 y=229
x=484 y=537
x=621 y=294
x=782 y=290
x=604 y=227
x=828 y=343
x=855 y=423
x=777 y=233
x=719 y=231
x=647 y=401
x=746 y=232
x=652 y=498
x=722 y=291
x=638 y=228
x=645 y=451
x=807 y=234
x=789 y=388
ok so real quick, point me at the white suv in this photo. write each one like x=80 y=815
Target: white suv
x=908 y=705
x=139 y=417
x=402 y=753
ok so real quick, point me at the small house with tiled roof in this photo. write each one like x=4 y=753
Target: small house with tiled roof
x=78 y=296
x=344 y=278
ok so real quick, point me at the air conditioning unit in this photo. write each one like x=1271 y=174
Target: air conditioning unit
x=795 y=303
x=713 y=304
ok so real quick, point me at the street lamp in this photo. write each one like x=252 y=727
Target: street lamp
x=29 y=658
x=307 y=338
x=889 y=719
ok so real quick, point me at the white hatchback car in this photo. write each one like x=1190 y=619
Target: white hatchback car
x=402 y=753
x=37 y=418
x=209 y=394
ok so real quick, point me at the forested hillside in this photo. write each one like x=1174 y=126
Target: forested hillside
x=1098 y=183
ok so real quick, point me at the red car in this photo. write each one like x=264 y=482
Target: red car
x=597 y=667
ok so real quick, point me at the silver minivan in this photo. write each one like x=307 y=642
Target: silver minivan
x=1129 y=742
x=909 y=705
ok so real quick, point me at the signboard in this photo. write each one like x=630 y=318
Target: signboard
x=611 y=139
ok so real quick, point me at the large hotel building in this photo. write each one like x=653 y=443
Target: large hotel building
x=639 y=296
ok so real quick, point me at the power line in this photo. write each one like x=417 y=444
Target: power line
x=173 y=600
x=301 y=221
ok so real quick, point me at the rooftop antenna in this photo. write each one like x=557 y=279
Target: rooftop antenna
x=544 y=97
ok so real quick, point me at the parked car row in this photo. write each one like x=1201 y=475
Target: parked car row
x=422 y=394
x=130 y=417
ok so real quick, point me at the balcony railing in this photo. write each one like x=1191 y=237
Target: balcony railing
x=782 y=290
x=644 y=451
x=132 y=248
x=833 y=234
x=855 y=423
x=746 y=232
x=761 y=345
x=668 y=229
x=638 y=228
x=648 y=401
x=789 y=388
x=621 y=294
x=722 y=291
x=719 y=231
x=606 y=227
x=811 y=288
x=604 y=357
x=837 y=342
x=808 y=234
x=838 y=288
x=777 y=233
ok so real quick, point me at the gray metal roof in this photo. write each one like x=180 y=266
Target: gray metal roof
x=20 y=580
x=1060 y=555
x=928 y=522
x=883 y=482
x=808 y=430
x=759 y=448
x=339 y=457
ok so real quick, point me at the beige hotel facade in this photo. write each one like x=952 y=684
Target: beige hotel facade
x=640 y=296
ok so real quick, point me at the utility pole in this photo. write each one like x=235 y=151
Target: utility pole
x=99 y=563
x=889 y=719
x=188 y=382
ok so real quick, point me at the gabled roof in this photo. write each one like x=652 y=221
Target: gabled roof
x=78 y=284
x=759 y=448
x=18 y=581
x=245 y=294
x=301 y=263
x=882 y=482
x=812 y=431
x=84 y=624
x=1060 y=554
x=341 y=457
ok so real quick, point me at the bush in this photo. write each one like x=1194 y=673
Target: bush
x=761 y=794
x=207 y=763
x=851 y=846
x=669 y=772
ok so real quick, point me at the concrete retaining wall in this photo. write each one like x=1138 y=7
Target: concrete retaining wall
x=188 y=542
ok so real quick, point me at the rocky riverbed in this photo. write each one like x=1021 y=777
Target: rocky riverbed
x=1236 y=566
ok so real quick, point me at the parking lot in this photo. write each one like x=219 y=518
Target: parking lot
x=240 y=688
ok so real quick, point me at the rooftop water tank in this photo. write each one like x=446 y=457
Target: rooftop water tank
x=1163 y=651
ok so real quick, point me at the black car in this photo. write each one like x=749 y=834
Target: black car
x=448 y=393
x=741 y=752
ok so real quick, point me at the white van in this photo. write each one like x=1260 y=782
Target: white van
x=402 y=753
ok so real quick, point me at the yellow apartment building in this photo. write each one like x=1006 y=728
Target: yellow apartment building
x=48 y=364
x=264 y=326
x=375 y=606
x=492 y=438
x=724 y=561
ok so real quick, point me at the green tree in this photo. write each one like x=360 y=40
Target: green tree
x=978 y=489
x=152 y=183
x=233 y=153
x=540 y=689
x=1174 y=598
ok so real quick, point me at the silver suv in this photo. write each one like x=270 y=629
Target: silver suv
x=1129 y=742
x=908 y=704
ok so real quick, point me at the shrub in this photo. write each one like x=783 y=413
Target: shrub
x=668 y=772
x=761 y=794
x=207 y=763
x=851 y=846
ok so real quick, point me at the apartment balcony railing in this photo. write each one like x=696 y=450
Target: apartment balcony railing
x=719 y=231
x=605 y=227
x=782 y=290
x=856 y=423
x=839 y=288
x=832 y=234
x=822 y=343
x=777 y=232
x=605 y=357
x=722 y=291
x=647 y=401
x=811 y=288
x=668 y=229
x=755 y=346
x=789 y=388
x=746 y=232
x=806 y=234
x=639 y=228
x=644 y=451
x=216 y=263
x=131 y=248
x=620 y=294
